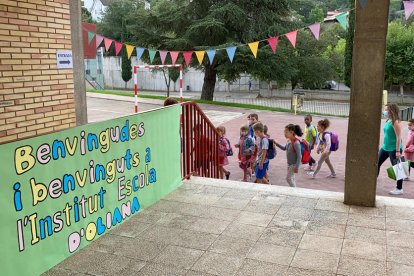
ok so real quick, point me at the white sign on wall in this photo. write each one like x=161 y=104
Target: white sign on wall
x=64 y=59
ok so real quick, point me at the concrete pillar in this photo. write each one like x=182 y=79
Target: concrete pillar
x=365 y=115
x=78 y=63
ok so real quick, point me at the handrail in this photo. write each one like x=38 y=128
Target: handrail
x=199 y=143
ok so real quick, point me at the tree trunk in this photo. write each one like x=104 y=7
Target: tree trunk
x=210 y=76
x=401 y=90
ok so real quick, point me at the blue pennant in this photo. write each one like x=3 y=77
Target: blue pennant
x=211 y=54
x=231 y=51
x=140 y=51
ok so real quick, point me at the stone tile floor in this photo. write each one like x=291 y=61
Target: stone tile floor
x=210 y=227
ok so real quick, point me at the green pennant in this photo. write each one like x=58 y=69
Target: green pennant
x=152 y=54
x=91 y=35
x=343 y=19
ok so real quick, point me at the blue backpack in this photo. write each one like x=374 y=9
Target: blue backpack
x=271 y=151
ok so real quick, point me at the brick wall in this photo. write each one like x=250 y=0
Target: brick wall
x=31 y=31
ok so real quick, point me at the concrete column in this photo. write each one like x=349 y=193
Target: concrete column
x=365 y=115
x=78 y=63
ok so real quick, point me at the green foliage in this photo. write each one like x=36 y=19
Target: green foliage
x=316 y=15
x=400 y=54
x=126 y=68
x=86 y=16
x=349 y=45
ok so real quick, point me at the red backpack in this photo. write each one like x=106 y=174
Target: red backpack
x=305 y=150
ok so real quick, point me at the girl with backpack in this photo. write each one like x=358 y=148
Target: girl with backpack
x=246 y=148
x=224 y=149
x=324 y=147
x=293 y=150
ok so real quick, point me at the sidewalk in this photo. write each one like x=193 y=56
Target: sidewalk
x=213 y=227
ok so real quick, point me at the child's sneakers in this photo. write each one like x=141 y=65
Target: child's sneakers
x=227 y=175
x=309 y=168
x=332 y=175
x=311 y=174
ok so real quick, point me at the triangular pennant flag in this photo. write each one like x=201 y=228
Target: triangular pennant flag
x=99 y=40
x=363 y=3
x=108 y=43
x=342 y=18
x=140 y=51
x=152 y=54
x=200 y=56
x=315 y=29
x=253 y=47
x=174 y=56
x=91 y=35
x=118 y=47
x=211 y=54
x=408 y=9
x=230 y=52
x=187 y=57
x=163 y=55
x=129 y=49
x=273 y=43
x=292 y=37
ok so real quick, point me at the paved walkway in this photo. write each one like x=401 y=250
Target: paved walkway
x=103 y=107
x=208 y=227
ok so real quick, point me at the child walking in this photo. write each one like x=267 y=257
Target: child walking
x=293 y=152
x=246 y=149
x=310 y=137
x=262 y=162
x=409 y=145
x=223 y=148
x=324 y=147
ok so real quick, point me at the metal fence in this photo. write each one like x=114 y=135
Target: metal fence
x=407 y=113
x=327 y=108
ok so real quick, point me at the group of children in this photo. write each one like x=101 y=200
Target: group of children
x=256 y=149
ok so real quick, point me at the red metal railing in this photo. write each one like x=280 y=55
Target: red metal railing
x=199 y=143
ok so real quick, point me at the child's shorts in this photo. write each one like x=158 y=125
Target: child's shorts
x=260 y=173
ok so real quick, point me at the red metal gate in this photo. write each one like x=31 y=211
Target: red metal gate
x=199 y=143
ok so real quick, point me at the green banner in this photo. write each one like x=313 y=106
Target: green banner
x=61 y=191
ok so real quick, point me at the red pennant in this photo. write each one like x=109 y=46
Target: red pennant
x=118 y=47
x=98 y=40
x=108 y=43
x=273 y=43
x=174 y=56
x=187 y=57
x=292 y=37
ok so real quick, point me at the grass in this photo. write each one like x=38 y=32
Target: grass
x=239 y=105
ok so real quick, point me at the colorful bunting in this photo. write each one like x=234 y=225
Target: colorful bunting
x=363 y=3
x=129 y=49
x=211 y=54
x=108 y=43
x=118 y=47
x=140 y=51
x=99 y=40
x=253 y=47
x=230 y=52
x=273 y=43
x=187 y=57
x=163 y=55
x=91 y=35
x=408 y=8
x=315 y=29
x=342 y=18
x=174 y=56
x=292 y=37
x=200 y=56
x=152 y=54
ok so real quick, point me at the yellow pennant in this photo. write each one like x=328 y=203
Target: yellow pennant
x=200 y=56
x=253 y=47
x=129 y=49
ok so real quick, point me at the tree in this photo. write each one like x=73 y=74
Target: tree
x=349 y=44
x=211 y=24
x=86 y=16
x=126 y=68
x=316 y=15
x=400 y=55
